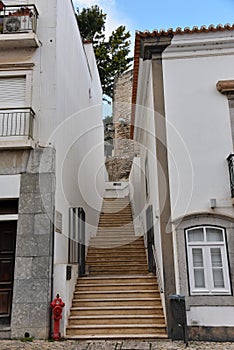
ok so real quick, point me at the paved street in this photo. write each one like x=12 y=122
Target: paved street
x=111 y=345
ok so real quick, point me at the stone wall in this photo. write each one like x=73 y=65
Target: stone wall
x=34 y=250
x=119 y=166
x=122 y=101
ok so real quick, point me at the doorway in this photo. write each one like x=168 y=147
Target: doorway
x=7 y=262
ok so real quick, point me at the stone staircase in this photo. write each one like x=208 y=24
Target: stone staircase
x=119 y=298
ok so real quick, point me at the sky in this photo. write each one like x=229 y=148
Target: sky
x=157 y=14
x=140 y=15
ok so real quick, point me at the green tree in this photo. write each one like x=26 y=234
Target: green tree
x=112 y=55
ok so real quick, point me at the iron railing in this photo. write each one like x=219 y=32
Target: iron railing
x=230 y=160
x=18 y=19
x=16 y=122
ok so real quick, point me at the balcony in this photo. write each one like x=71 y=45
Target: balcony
x=16 y=127
x=18 y=25
x=230 y=160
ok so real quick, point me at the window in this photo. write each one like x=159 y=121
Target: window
x=207 y=261
x=15 y=88
x=73 y=236
x=13 y=91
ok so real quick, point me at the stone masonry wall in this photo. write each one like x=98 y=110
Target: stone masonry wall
x=123 y=97
x=119 y=166
x=33 y=261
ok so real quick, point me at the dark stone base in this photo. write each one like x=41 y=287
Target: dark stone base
x=202 y=333
x=220 y=334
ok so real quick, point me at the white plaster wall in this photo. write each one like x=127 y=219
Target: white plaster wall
x=67 y=99
x=198 y=130
x=65 y=289
x=217 y=316
x=144 y=136
x=78 y=136
x=66 y=96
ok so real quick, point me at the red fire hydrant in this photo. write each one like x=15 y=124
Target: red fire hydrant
x=57 y=308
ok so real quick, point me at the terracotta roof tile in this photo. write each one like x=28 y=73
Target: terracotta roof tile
x=186 y=30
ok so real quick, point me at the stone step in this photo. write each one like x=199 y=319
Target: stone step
x=98 y=337
x=112 y=247
x=112 y=224
x=98 y=260
x=116 y=302
x=135 y=243
x=115 y=286
x=125 y=264
x=96 y=272
x=109 y=238
x=97 y=251
x=120 y=269
x=116 y=319
x=115 y=217
x=117 y=329
x=111 y=294
x=116 y=231
x=117 y=279
x=117 y=310
x=119 y=299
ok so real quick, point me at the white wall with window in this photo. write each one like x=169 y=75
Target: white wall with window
x=16 y=114
x=207 y=260
x=204 y=246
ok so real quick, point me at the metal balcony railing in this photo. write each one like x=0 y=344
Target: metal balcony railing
x=18 y=19
x=230 y=160
x=16 y=122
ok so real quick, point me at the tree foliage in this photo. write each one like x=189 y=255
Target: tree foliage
x=112 y=55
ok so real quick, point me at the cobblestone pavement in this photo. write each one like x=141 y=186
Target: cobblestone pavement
x=112 y=345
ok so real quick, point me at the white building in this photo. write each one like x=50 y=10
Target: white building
x=183 y=95
x=51 y=159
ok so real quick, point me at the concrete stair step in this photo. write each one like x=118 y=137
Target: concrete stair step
x=116 y=294
x=117 y=302
x=98 y=260
x=131 y=244
x=139 y=278
x=125 y=265
x=126 y=249
x=96 y=272
x=119 y=299
x=131 y=268
x=123 y=225
x=116 y=319
x=117 y=329
x=115 y=286
x=117 y=336
x=117 y=230
x=115 y=245
x=121 y=213
x=109 y=240
x=127 y=236
x=117 y=310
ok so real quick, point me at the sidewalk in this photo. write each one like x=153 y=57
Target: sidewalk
x=111 y=345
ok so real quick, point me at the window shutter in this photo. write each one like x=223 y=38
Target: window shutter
x=12 y=92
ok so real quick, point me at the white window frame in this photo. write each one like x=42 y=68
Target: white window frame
x=206 y=246
x=21 y=73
